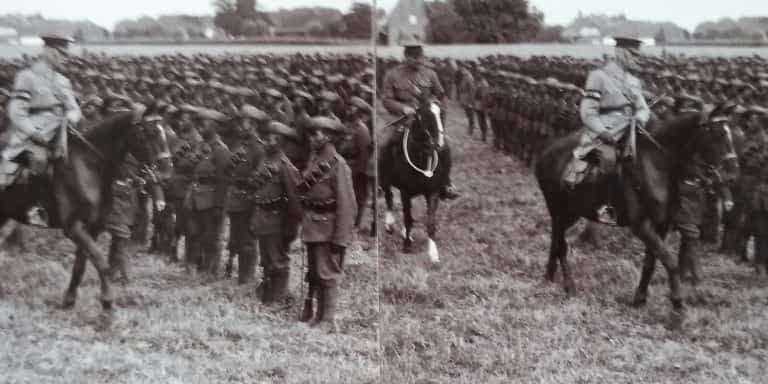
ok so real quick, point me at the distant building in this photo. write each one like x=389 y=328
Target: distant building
x=408 y=17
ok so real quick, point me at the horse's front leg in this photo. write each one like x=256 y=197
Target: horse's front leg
x=655 y=244
x=433 y=201
x=389 y=216
x=78 y=270
x=85 y=241
x=408 y=220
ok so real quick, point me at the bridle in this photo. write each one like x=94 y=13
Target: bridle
x=434 y=160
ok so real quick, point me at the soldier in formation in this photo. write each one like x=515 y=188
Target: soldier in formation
x=241 y=129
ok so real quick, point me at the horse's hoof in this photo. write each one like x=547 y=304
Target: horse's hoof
x=69 y=301
x=432 y=252
x=639 y=301
x=104 y=321
x=676 y=319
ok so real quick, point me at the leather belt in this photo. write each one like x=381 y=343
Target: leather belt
x=207 y=180
x=56 y=109
x=625 y=108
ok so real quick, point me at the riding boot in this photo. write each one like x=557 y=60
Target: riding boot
x=688 y=259
x=264 y=290
x=229 y=267
x=118 y=253
x=449 y=191
x=245 y=266
x=326 y=318
x=37 y=216
x=307 y=313
x=606 y=215
x=280 y=291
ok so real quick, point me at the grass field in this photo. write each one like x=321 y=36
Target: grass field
x=171 y=328
x=485 y=314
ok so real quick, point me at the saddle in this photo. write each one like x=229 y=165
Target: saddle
x=602 y=160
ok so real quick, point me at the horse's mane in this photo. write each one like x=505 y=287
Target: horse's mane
x=674 y=130
x=104 y=131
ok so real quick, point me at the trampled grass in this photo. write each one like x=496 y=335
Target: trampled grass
x=172 y=328
x=485 y=314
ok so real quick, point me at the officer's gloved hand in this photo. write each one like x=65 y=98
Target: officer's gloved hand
x=37 y=138
x=160 y=205
x=73 y=117
x=409 y=111
x=606 y=137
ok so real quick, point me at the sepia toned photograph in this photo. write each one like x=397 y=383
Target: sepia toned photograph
x=383 y=191
x=572 y=192
x=185 y=192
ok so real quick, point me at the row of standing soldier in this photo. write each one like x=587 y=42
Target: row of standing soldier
x=526 y=113
x=242 y=165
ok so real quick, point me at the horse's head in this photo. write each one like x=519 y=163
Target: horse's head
x=717 y=146
x=429 y=121
x=150 y=143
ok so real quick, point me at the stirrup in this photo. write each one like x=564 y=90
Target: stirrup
x=37 y=217
x=607 y=215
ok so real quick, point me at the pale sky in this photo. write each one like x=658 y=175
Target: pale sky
x=107 y=12
x=685 y=13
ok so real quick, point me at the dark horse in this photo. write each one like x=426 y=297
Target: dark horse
x=646 y=196
x=77 y=195
x=417 y=165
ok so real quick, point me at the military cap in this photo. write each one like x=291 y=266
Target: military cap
x=59 y=42
x=627 y=43
x=211 y=114
x=366 y=89
x=693 y=77
x=215 y=84
x=119 y=77
x=282 y=83
x=326 y=124
x=279 y=128
x=304 y=95
x=273 y=93
x=294 y=79
x=164 y=82
x=248 y=111
x=188 y=108
x=93 y=100
x=410 y=40
x=361 y=104
x=318 y=73
x=756 y=110
x=329 y=96
x=315 y=80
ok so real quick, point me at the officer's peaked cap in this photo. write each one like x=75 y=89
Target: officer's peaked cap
x=627 y=42
x=54 y=40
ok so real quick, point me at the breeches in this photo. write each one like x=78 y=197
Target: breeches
x=204 y=232
x=240 y=237
x=360 y=186
x=325 y=267
x=688 y=217
x=274 y=253
x=760 y=225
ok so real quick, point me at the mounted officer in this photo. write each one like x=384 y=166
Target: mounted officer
x=41 y=107
x=402 y=87
x=613 y=101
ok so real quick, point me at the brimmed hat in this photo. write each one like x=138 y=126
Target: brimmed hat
x=361 y=104
x=211 y=114
x=248 y=111
x=326 y=124
x=279 y=128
